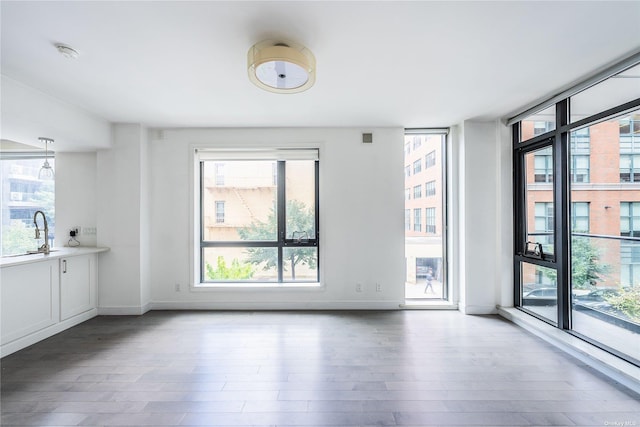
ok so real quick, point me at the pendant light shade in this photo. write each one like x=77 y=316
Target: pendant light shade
x=46 y=171
x=281 y=67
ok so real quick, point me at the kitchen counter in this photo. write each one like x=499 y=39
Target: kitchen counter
x=56 y=253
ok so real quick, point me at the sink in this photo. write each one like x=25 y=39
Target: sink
x=38 y=252
x=28 y=253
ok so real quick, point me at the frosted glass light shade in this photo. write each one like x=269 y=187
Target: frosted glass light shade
x=281 y=67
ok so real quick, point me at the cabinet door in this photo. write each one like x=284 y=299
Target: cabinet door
x=29 y=299
x=77 y=285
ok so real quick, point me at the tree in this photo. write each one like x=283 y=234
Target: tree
x=586 y=269
x=628 y=302
x=235 y=272
x=299 y=218
x=18 y=238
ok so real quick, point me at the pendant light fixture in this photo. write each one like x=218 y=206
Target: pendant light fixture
x=46 y=171
x=281 y=67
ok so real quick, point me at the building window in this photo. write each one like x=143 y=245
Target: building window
x=407 y=149
x=629 y=167
x=407 y=171
x=417 y=166
x=270 y=234
x=629 y=264
x=544 y=225
x=417 y=142
x=219 y=211
x=219 y=173
x=431 y=220
x=430 y=159
x=540 y=127
x=430 y=189
x=417 y=220
x=580 y=217
x=580 y=151
x=417 y=191
x=543 y=165
x=407 y=220
x=630 y=148
x=630 y=219
x=407 y=194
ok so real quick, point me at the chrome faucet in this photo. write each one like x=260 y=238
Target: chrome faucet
x=45 y=246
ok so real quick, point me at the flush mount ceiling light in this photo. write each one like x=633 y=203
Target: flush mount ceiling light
x=67 y=51
x=281 y=67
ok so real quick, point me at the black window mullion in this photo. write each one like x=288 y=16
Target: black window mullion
x=561 y=206
x=281 y=210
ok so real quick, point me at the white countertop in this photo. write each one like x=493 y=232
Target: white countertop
x=56 y=253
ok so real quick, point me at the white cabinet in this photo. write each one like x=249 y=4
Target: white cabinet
x=41 y=295
x=77 y=285
x=29 y=299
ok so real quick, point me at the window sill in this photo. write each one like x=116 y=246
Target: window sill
x=257 y=286
x=606 y=363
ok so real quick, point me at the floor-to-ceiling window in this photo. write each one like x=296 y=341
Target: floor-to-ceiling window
x=425 y=214
x=577 y=211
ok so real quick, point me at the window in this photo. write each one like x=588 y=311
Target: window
x=417 y=166
x=431 y=220
x=219 y=170
x=543 y=164
x=580 y=217
x=542 y=127
x=544 y=225
x=430 y=159
x=417 y=220
x=219 y=211
x=407 y=171
x=407 y=220
x=630 y=148
x=407 y=149
x=24 y=194
x=407 y=194
x=430 y=189
x=629 y=167
x=424 y=249
x=584 y=212
x=417 y=142
x=253 y=230
x=630 y=219
x=538 y=123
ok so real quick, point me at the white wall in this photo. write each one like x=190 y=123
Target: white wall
x=361 y=218
x=484 y=232
x=123 y=274
x=28 y=114
x=76 y=196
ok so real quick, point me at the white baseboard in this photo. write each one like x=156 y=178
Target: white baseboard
x=478 y=309
x=261 y=305
x=130 y=310
x=49 y=331
x=612 y=366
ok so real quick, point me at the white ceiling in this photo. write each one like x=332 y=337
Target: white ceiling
x=409 y=64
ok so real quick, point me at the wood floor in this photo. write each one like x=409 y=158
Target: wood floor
x=408 y=368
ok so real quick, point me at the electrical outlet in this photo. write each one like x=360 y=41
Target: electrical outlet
x=89 y=231
x=378 y=287
x=74 y=231
x=358 y=287
x=177 y=287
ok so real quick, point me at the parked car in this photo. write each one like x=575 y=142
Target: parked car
x=541 y=296
x=597 y=295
